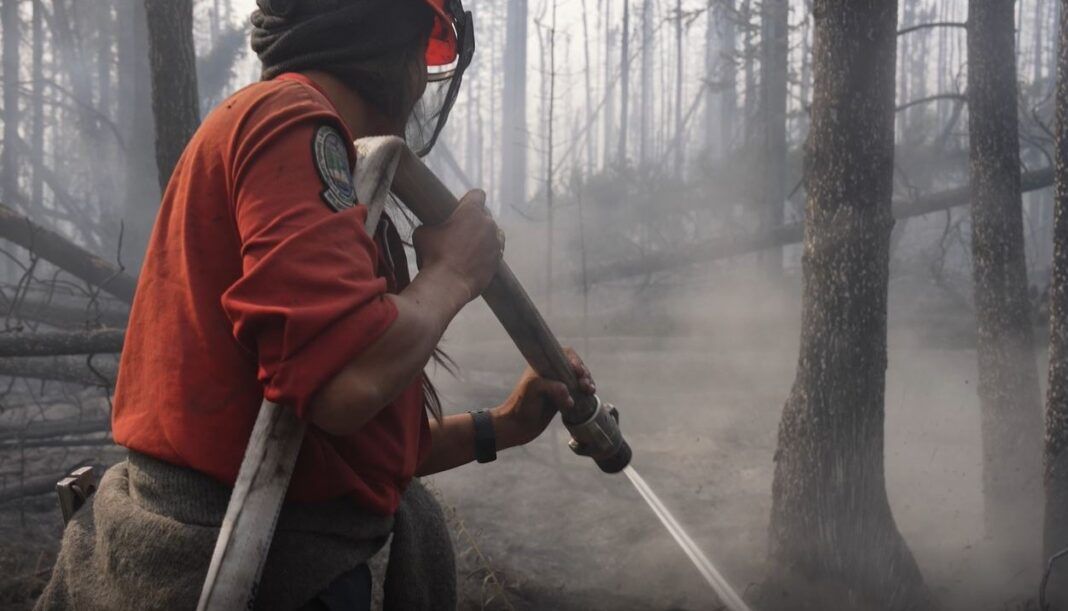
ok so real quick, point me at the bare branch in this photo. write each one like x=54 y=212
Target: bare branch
x=959 y=97
x=934 y=24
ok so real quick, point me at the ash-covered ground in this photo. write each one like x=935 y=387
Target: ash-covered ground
x=701 y=391
x=700 y=375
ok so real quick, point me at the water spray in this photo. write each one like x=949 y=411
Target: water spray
x=727 y=595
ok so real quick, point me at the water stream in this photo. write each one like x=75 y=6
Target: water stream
x=727 y=595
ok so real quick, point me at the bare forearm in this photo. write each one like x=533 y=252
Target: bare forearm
x=381 y=372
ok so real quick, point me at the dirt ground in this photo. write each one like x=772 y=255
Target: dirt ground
x=700 y=406
x=700 y=391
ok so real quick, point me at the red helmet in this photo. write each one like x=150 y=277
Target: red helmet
x=448 y=54
x=451 y=39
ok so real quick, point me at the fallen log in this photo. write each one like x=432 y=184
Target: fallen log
x=31 y=486
x=67 y=255
x=55 y=428
x=37 y=485
x=786 y=234
x=81 y=442
x=62 y=315
x=101 y=341
x=61 y=369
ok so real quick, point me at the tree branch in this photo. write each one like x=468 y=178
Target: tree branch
x=932 y=98
x=934 y=24
x=787 y=234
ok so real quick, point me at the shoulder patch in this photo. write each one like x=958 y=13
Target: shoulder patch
x=332 y=163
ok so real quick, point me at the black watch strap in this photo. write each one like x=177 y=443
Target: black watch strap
x=485 y=437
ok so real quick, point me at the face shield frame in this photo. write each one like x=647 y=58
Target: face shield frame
x=449 y=53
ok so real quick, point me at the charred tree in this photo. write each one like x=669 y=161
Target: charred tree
x=11 y=31
x=37 y=104
x=645 y=107
x=680 y=149
x=514 y=109
x=1008 y=377
x=749 y=58
x=624 y=85
x=586 y=71
x=1056 y=446
x=720 y=73
x=712 y=103
x=832 y=535
x=141 y=189
x=608 y=84
x=175 y=103
x=774 y=67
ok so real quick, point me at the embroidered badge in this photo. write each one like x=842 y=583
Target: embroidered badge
x=332 y=163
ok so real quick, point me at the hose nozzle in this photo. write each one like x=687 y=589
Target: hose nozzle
x=598 y=436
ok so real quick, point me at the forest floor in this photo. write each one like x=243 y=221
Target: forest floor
x=700 y=392
x=700 y=406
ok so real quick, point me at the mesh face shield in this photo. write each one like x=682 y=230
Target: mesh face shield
x=448 y=54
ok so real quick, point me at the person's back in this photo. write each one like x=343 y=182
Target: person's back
x=253 y=285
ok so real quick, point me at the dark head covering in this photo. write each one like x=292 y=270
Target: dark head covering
x=293 y=35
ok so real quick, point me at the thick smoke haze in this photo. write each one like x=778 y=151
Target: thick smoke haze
x=653 y=163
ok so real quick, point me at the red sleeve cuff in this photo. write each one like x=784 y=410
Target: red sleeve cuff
x=308 y=304
x=297 y=378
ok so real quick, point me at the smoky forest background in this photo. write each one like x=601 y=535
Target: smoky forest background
x=816 y=251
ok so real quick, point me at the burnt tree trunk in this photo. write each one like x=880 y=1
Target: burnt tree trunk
x=175 y=103
x=514 y=135
x=645 y=101
x=833 y=541
x=624 y=85
x=9 y=23
x=774 y=67
x=1056 y=448
x=1008 y=377
x=141 y=189
x=726 y=75
x=37 y=104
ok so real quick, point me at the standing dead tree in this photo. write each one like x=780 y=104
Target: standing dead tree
x=175 y=102
x=1056 y=446
x=774 y=68
x=1008 y=377
x=9 y=23
x=832 y=533
x=514 y=135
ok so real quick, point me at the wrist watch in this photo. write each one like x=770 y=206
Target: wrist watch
x=485 y=436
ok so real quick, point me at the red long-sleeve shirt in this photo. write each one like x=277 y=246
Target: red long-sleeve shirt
x=254 y=285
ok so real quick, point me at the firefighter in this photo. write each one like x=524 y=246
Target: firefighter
x=261 y=281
